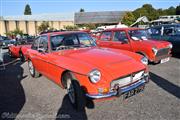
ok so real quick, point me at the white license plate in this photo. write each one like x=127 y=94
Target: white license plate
x=165 y=60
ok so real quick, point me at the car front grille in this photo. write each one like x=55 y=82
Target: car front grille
x=162 y=52
x=127 y=80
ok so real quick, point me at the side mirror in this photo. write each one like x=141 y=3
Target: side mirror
x=41 y=50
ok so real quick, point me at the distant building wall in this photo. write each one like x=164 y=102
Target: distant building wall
x=29 y=27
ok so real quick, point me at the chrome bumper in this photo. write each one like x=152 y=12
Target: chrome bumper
x=121 y=90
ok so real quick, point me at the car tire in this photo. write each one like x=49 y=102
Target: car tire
x=75 y=93
x=22 y=57
x=32 y=70
x=10 y=53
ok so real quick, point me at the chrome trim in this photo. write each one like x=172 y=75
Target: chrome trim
x=114 y=93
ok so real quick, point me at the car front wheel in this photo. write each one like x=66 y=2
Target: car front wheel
x=75 y=93
x=32 y=70
x=22 y=58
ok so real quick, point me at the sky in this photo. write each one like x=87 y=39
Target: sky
x=16 y=7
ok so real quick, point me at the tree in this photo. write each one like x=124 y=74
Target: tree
x=44 y=26
x=81 y=10
x=71 y=27
x=146 y=10
x=128 y=18
x=27 y=10
x=178 y=10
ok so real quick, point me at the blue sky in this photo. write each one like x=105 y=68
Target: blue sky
x=16 y=7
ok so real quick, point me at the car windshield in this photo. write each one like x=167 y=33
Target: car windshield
x=68 y=41
x=139 y=34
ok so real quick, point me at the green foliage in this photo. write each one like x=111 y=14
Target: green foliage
x=128 y=18
x=150 y=12
x=81 y=10
x=27 y=10
x=15 y=32
x=146 y=10
x=178 y=10
x=71 y=27
x=44 y=26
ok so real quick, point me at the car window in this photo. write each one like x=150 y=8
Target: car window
x=120 y=36
x=43 y=43
x=168 y=31
x=35 y=43
x=106 y=36
x=85 y=39
x=155 y=31
x=70 y=40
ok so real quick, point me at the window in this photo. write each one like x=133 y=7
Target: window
x=85 y=39
x=43 y=43
x=120 y=36
x=35 y=43
x=155 y=31
x=40 y=42
x=70 y=40
x=106 y=36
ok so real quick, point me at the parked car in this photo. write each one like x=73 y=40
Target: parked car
x=19 y=51
x=136 y=40
x=170 y=33
x=73 y=61
x=5 y=42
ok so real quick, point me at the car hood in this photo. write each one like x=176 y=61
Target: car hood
x=154 y=43
x=111 y=64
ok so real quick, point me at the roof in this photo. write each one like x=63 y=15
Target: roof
x=63 y=32
x=42 y=17
x=129 y=28
x=98 y=17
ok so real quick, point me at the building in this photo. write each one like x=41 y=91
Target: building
x=29 y=23
x=105 y=17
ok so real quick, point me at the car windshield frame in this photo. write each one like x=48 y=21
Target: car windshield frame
x=144 y=34
x=61 y=44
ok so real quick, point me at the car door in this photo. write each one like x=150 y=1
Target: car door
x=120 y=41
x=40 y=53
x=105 y=38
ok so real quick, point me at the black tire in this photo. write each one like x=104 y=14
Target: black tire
x=22 y=57
x=10 y=53
x=32 y=70
x=79 y=101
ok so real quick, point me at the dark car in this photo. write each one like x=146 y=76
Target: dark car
x=5 y=42
x=170 y=32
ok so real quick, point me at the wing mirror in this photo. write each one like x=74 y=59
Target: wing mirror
x=41 y=50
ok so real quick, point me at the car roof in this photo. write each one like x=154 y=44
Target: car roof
x=166 y=25
x=63 y=33
x=129 y=28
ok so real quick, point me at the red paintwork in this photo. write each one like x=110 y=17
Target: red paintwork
x=111 y=63
x=16 y=49
x=140 y=46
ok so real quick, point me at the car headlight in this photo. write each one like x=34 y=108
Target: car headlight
x=144 y=60
x=170 y=46
x=155 y=50
x=95 y=76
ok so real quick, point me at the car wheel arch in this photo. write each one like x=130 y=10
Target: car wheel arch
x=142 y=53
x=63 y=81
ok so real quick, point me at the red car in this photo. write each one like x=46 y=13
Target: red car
x=73 y=61
x=136 y=40
x=19 y=51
